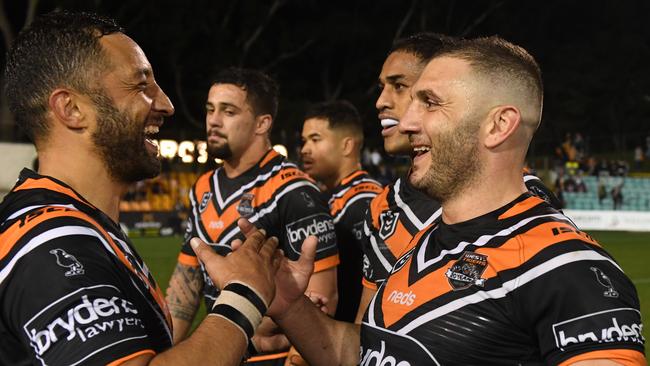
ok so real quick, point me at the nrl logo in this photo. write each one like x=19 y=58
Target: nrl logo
x=467 y=271
x=388 y=223
x=245 y=206
x=68 y=261
x=204 y=201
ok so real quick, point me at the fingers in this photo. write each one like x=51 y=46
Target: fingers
x=236 y=244
x=246 y=227
x=277 y=259
x=255 y=240
x=268 y=247
x=204 y=253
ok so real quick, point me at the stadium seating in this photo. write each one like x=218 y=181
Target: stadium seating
x=636 y=194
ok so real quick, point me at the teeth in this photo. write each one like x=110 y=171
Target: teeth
x=150 y=130
x=421 y=149
x=385 y=123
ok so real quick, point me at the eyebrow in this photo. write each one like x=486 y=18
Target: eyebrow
x=222 y=105
x=145 y=71
x=392 y=79
x=313 y=134
x=424 y=94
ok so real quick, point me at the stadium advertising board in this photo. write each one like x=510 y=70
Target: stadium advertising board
x=610 y=220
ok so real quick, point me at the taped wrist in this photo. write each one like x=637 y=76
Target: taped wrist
x=242 y=306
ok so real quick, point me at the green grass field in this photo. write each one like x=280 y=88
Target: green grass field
x=631 y=250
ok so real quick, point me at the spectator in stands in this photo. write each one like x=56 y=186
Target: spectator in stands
x=638 y=157
x=579 y=146
x=617 y=196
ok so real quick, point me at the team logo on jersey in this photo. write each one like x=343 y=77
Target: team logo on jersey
x=467 y=271
x=539 y=193
x=387 y=224
x=308 y=200
x=204 y=201
x=604 y=280
x=245 y=206
x=68 y=261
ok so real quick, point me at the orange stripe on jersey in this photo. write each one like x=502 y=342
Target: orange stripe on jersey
x=267 y=191
x=400 y=241
x=368 y=284
x=349 y=178
x=625 y=357
x=326 y=263
x=521 y=207
x=378 y=205
x=13 y=234
x=131 y=356
x=31 y=183
x=274 y=356
x=340 y=202
x=272 y=154
x=511 y=254
x=188 y=260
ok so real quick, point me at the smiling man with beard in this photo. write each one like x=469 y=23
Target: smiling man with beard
x=256 y=183
x=73 y=290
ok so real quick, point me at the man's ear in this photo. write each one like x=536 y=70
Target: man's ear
x=264 y=124
x=348 y=145
x=502 y=122
x=69 y=108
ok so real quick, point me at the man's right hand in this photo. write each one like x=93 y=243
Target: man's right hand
x=255 y=263
x=292 y=278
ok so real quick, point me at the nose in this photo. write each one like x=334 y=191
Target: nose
x=162 y=104
x=384 y=101
x=411 y=121
x=304 y=150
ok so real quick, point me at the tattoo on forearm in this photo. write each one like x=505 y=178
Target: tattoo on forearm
x=184 y=292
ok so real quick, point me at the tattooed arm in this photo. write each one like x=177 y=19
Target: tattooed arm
x=183 y=298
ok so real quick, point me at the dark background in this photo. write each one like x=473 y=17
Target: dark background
x=594 y=55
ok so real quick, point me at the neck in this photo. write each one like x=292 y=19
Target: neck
x=87 y=175
x=485 y=194
x=235 y=166
x=347 y=168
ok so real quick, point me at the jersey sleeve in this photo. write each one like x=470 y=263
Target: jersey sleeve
x=581 y=303
x=63 y=301
x=187 y=255
x=302 y=211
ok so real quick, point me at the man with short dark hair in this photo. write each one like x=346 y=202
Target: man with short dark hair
x=332 y=139
x=73 y=288
x=400 y=211
x=254 y=182
x=503 y=278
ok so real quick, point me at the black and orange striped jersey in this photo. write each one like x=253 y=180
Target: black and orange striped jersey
x=518 y=286
x=73 y=290
x=348 y=204
x=274 y=195
x=398 y=213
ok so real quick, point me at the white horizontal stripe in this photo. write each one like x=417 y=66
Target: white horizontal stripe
x=481 y=241
x=29 y=208
x=507 y=287
x=44 y=238
x=351 y=201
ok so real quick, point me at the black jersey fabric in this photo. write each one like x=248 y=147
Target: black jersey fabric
x=73 y=290
x=517 y=286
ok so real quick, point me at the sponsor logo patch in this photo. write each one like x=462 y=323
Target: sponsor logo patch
x=68 y=261
x=320 y=225
x=401 y=262
x=245 y=206
x=77 y=318
x=387 y=224
x=616 y=325
x=467 y=271
x=382 y=347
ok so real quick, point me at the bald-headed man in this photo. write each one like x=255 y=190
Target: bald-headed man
x=503 y=278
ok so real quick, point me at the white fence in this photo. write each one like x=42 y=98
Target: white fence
x=610 y=220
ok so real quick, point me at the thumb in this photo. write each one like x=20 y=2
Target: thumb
x=308 y=252
x=205 y=254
